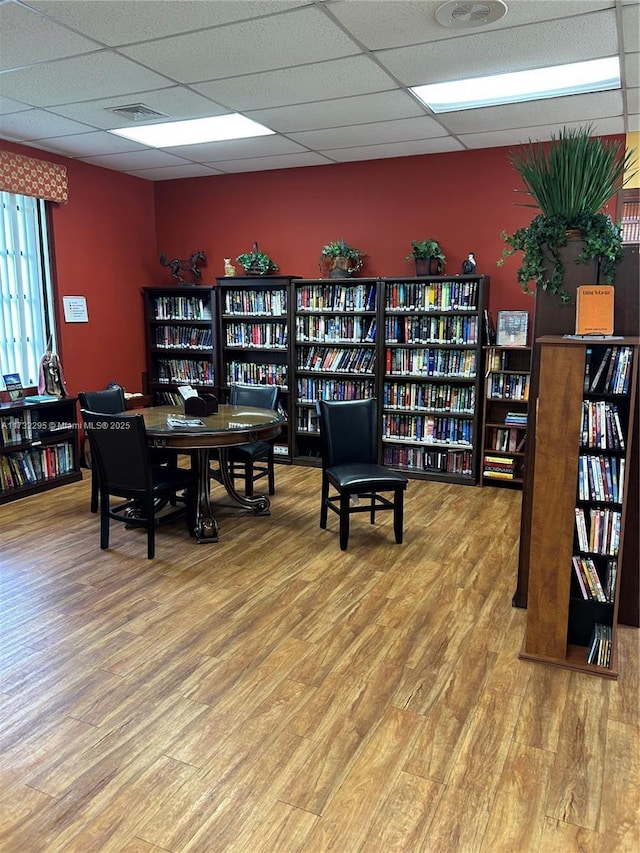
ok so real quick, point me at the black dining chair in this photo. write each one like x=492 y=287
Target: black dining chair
x=348 y=431
x=120 y=452
x=111 y=401
x=254 y=460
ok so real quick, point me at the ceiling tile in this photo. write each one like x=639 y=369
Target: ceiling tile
x=492 y=139
x=37 y=124
x=262 y=164
x=169 y=173
x=79 y=79
x=292 y=38
x=145 y=158
x=337 y=78
x=394 y=149
x=361 y=109
x=92 y=144
x=367 y=134
x=237 y=149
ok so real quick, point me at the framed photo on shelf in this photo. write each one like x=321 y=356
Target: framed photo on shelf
x=13 y=384
x=513 y=327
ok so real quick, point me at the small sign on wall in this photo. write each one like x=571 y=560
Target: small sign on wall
x=75 y=309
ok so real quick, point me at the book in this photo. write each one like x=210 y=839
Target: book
x=594 y=309
x=13 y=384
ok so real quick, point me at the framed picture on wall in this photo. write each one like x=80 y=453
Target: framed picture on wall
x=513 y=327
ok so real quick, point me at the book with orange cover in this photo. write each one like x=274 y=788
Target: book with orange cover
x=594 y=309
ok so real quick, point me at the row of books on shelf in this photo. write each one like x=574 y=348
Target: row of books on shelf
x=427 y=428
x=601 y=478
x=183 y=337
x=353 y=328
x=336 y=297
x=423 y=329
x=251 y=373
x=267 y=335
x=311 y=389
x=598 y=532
x=601 y=426
x=454 y=295
x=611 y=373
x=499 y=467
x=337 y=359
x=185 y=371
x=167 y=398
x=270 y=303
x=457 y=462
x=600 y=646
x=307 y=420
x=591 y=587
x=441 y=397
x=182 y=308
x=28 y=426
x=431 y=362
x=508 y=386
x=510 y=440
x=34 y=465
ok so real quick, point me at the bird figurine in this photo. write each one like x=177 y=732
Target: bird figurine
x=469 y=266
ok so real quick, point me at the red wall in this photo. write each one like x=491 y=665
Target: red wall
x=107 y=239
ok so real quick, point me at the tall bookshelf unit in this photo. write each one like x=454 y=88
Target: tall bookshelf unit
x=335 y=352
x=253 y=333
x=181 y=349
x=504 y=423
x=38 y=447
x=433 y=369
x=584 y=436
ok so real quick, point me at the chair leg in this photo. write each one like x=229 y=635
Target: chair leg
x=398 y=512
x=104 y=519
x=248 y=478
x=344 y=520
x=151 y=527
x=323 y=502
x=372 y=517
x=272 y=474
x=94 y=492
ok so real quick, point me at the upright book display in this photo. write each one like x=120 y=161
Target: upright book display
x=584 y=446
x=38 y=447
x=253 y=326
x=180 y=341
x=433 y=371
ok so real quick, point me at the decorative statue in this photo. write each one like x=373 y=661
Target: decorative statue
x=469 y=266
x=229 y=269
x=50 y=377
x=177 y=266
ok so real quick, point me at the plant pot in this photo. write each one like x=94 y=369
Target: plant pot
x=427 y=266
x=341 y=268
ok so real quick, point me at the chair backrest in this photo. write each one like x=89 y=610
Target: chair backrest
x=120 y=450
x=110 y=401
x=348 y=430
x=259 y=396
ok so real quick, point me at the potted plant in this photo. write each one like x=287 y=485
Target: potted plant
x=341 y=259
x=428 y=257
x=256 y=262
x=570 y=181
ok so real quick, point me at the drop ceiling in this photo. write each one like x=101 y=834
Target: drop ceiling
x=330 y=78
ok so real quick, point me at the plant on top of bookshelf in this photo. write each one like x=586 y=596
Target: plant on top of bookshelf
x=256 y=262
x=342 y=259
x=570 y=180
x=423 y=252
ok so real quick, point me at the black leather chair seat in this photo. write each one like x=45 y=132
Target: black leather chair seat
x=365 y=477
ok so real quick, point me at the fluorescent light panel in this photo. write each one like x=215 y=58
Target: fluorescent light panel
x=193 y=131
x=596 y=75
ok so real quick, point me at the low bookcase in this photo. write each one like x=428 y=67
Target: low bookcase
x=38 y=447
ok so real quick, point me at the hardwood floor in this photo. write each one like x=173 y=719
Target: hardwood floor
x=272 y=694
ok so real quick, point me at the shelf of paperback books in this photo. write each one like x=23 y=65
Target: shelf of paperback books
x=432 y=376
x=579 y=502
x=506 y=402
x=335 y=350
x=38 y=447
x=180 y=341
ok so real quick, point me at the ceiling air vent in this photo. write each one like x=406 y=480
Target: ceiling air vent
x=136 y=112
x=458 y=14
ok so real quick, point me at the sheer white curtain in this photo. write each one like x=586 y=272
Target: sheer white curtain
x=26 y=319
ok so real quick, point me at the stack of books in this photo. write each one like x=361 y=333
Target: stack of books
x=498 y=467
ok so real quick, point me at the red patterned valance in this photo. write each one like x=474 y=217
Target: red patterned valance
x=27 y=176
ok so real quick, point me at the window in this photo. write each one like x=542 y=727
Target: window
x=26 y=315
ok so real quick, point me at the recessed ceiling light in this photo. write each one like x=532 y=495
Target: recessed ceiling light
x=459 y=14
x=595 y=75
x=194 y=131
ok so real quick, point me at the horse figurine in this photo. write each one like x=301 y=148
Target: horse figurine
x=178 y=266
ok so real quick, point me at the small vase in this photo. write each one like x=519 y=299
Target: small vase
x=427 y=266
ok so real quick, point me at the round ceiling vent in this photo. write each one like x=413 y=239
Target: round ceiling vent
x=458 y=14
